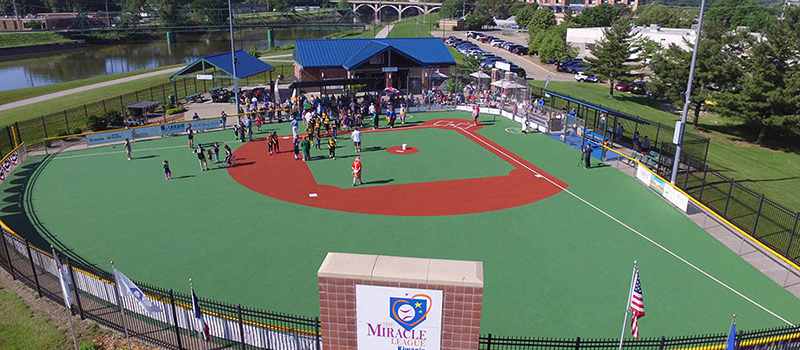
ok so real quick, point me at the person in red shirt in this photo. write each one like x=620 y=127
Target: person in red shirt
x=357 y=171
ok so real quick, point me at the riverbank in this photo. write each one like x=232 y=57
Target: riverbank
x=28 y=39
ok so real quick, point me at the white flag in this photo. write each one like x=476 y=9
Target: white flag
x=63 y=277
x=128 y=288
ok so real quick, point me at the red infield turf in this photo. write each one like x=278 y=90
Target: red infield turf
x=451 y=197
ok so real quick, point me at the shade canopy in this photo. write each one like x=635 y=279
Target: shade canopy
x=247 y=65
x=480 y=75
x=438 y=75
x=508 y=84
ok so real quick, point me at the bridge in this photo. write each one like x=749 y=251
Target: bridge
x=423 y=7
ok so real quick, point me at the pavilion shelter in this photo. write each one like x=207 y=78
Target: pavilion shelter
x=403 y=63
x=219 y=67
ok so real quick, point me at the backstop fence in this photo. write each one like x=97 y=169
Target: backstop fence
x=239 y=327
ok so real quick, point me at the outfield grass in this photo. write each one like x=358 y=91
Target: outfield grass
x=28 y=39
x=772 y=172
x=409 y=28
x=20 y=330
x=25 y=93
x=553 y=268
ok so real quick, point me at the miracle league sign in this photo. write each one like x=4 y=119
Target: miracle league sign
x=398 y=318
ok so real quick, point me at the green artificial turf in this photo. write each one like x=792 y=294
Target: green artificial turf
x=769 y=171
x=553 y=268
x=443 y=155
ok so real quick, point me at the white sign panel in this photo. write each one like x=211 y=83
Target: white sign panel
x=676 y=198
x=502 y=65
x=205 y=77
x=676 y=136
x=398 y=318
x=389 y=69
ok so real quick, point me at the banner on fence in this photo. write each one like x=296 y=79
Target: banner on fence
x=11 y=161
x=398 y=318
x=661 y=187
x=142 y=132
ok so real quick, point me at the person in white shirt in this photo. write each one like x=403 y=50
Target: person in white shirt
x=356 y=136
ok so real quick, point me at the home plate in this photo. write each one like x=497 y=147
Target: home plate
x=312 y=195
x=286 y=137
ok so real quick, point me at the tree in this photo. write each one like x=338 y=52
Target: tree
x=471 y=63
x=501 y=9
x=734 y=13
x=602 y=15
x=541 y=20
x=569 y=15
x=525 y=14
x=477 y=22
x=767 y=92
x=344 y=4
x=554 y=47
x=614 y=55
x=655 y=14
x=454 y=8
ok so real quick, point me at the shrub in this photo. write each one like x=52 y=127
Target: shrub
x=77 y=131
x=113 y=118
x=179 y=109
x=47 y=143
x=96 y=123
x=63 y=133
x=87 y=345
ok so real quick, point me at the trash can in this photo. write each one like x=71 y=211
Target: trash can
x=171 y=100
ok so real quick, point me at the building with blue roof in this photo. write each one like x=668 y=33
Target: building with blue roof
x=403 y=63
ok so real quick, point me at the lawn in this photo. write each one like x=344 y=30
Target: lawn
x=24 y=93
x=20 y=330
x=764 y=170
x=413 y=27
x=28 y=39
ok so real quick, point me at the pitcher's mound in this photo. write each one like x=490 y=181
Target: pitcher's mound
x=399 y=150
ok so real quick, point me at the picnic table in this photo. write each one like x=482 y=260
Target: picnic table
x=198 y=97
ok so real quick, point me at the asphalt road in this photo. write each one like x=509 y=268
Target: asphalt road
x=530 y=64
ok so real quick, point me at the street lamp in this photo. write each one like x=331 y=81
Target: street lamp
x=233 y=58
x=687 y=99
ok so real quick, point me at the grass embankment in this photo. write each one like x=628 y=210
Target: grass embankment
x=29 y=39
x=768 y=171
x=413 y=27
x=19 y=330
x=24 y=93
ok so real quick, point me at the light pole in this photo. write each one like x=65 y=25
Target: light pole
x=233 y=57
x=687 y=99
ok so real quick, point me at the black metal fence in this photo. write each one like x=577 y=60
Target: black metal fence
x=769 y=222
x=783 y=338
x=75 y=120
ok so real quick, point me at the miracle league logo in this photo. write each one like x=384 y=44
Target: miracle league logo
x=408 y=313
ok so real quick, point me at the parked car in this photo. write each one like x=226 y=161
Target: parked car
x=562 y=65
x=497 y=42
x=486 y=39
x=585 y=77
x=637 y=89
x=522 y=50
x=577 y=68
x=622 y=87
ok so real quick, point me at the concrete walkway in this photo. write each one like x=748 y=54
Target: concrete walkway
x=84 y=88
x=384 y=33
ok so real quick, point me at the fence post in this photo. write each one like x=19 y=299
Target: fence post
x=151 y=93
x=758 y=214
x=703 y=185
x=241 y=322
x=489 y=342
x=658 y=131
x=33 y=268
x=137 y=95
x=738 y=340
x=688 y=170
x=104 y=106
x=19 y=134
x=788 y=248
x=661 y=344
x=578 y=343
x=728 y=199
x=175 y=319
x=316 y=329
x=75 y=285
x=121 y=106
x=44 y=126
x=10 y=138
x=14 y=276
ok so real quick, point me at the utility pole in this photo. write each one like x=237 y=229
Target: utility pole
x=16 y=16
x=463 y=8
x=687 y=99
x=233 y=57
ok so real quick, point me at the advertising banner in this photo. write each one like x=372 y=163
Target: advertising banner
x=674 y=196
x=108 y=137
x=398 y=318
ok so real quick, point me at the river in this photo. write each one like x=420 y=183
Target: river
x=95 y=60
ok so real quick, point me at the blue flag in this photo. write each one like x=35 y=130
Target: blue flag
x=732 y=338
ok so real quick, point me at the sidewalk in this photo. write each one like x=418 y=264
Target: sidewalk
x=384 y=33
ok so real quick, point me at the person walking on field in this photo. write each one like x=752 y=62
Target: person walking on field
x=356 y=136
x=587 y=156
x=332 y=148
x=356 y=167
x=476 y=111
x=190 y=134
x=216 y=152
x=275 y=146
x=374 y=112
x=296 y=146
x=228 y=156
x=128 y=148
x=167 y=172
x=201 y=157
x=606 y=146
x=305 y=145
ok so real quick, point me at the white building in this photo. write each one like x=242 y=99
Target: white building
x=585 y=38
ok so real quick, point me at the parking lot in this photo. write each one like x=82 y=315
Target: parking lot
x=530 y=64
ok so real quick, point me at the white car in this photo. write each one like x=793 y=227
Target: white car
x=583 y=77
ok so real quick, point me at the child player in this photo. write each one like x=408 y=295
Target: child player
x=167 y=172
x=403 y=113
x=357 y=171
x=332 y=147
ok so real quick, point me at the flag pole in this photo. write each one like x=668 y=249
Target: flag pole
x=66 y=297
x=628 y=304
x=121 y=309
x=191 y=287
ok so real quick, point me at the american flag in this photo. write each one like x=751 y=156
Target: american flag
x=637 y=306
x=198 y=315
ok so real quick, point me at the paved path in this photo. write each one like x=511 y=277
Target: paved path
x=384 y=33
x=84 y=88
